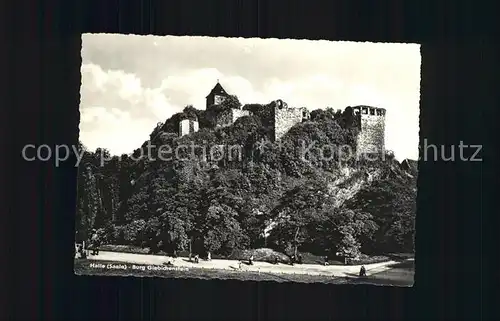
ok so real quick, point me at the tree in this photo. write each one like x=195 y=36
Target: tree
x=299 y=209
x=221 y=229
x=205 y=204
x=263 y=112
x=189 y=112
x=348 y=226
x=230 y=102
x=392 y=203
x=323 y=114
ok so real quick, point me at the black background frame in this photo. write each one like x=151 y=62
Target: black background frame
x=455 y=276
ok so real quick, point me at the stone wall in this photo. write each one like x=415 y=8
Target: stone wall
x=188 y=126
x=228 y=117
x=371 y=138
x=237 y=113
x=193 y=126
x=284 y=119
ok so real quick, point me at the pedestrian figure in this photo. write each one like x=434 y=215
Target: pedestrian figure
x=94 y=243
x=239 y=265
x=196 y=258
x=85 y=249
x=78 y=253
x=326 y=260
x=362 y=271
x=83 y=253
x=276 y=261
x=250 y=261
x=209 y=256
x=299 y=258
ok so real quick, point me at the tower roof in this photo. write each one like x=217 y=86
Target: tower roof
x=218 y=90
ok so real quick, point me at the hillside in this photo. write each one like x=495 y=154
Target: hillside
x=250 y=191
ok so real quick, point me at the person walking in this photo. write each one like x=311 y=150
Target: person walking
x=362 y=271
x=95 y=242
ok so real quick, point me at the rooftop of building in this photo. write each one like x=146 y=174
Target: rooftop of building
x=217 y=90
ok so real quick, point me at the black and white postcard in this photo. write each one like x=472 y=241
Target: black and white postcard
x=252 y=159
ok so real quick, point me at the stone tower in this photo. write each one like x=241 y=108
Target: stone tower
x=216 y=95
x=371 y=138
x=286 y=117
x=188 y=126
x=226 y=117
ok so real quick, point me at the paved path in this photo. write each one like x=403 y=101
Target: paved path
x=263 y=267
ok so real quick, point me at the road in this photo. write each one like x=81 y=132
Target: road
x=263 y=267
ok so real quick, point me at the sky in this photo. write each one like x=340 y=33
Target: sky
x=130 y=83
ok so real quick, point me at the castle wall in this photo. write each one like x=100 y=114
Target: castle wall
x=188 y=126
x=284 y=119
x=228 y=117
x=371 y=138
x=237 y=113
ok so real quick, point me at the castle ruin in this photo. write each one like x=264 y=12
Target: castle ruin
x=188 y=126
x=286 y=117
x=226 y=118
x=229 y=117
x=216 y=96
x=371 y=137
x=371 y=120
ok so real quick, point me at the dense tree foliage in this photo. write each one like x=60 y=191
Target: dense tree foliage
x=236 y=189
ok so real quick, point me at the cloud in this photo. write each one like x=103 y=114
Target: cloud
x=115 y=130
x=117 y=112
x=130 y=83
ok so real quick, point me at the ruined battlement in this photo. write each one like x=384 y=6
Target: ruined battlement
x=229 y=117
x=371 y=137
x=188 y=126
x=286 y=117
